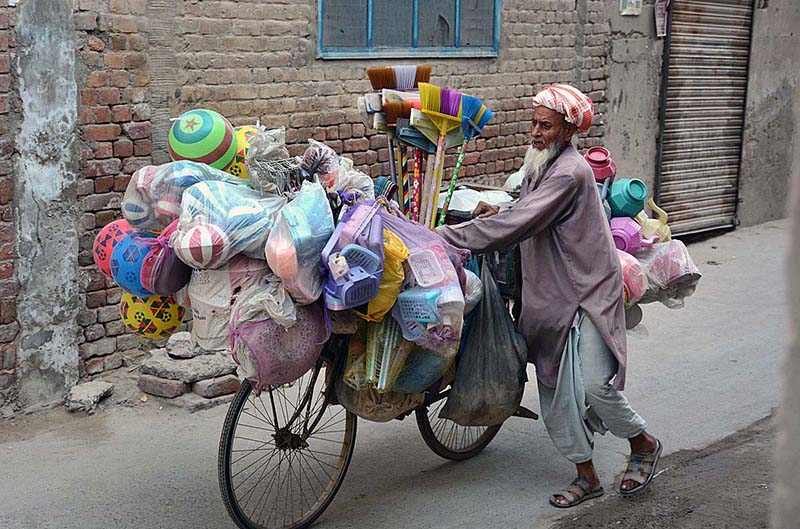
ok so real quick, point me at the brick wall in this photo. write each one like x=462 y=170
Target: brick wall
x=142 y=62
x=9 y=287
x=116 y=140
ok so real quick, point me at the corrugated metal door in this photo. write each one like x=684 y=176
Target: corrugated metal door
x=703 y=112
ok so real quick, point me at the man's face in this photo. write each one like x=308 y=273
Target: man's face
x=548 y=127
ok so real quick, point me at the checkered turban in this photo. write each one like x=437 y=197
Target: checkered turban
x=576 y=106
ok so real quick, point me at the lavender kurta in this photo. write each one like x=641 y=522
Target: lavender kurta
x=568 y=261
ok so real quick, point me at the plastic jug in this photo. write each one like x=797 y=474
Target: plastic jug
x=627 y=196
x=657 y=226
x=627 y=235
x=600 y=161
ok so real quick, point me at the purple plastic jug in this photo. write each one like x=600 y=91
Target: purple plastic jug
x=627 y=235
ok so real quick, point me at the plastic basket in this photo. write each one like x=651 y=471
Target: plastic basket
x=358 y=256
x=419 y=304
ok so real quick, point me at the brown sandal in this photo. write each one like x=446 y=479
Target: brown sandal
x=578 y=492
x=641 y=469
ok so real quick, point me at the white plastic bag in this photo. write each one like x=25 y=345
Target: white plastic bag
x=474 y=291
x=295 y=243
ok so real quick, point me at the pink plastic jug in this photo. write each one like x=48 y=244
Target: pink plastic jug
x=627 y=234
x=601 y=163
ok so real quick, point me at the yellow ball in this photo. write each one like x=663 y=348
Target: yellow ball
x=243 y=137
x=155 y=317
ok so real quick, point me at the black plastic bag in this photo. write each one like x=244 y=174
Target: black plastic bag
x=490 y=376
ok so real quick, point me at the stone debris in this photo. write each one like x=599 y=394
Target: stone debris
x=189 y=370
x=86 y=396
x=162 y=387
x=180 y=346
x=216 y=387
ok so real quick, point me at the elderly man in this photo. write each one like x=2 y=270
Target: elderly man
x=572 y=309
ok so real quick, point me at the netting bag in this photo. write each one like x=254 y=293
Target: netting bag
x=212 y=292
x=219 y=221
x=152 y=199
x=268 y=352
x=295 y=243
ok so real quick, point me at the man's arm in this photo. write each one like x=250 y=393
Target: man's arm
x=515 y=222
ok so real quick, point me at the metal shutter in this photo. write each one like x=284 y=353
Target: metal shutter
x=702 y=112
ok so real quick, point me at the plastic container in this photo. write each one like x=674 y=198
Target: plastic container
x=626 y=197
x=600 y=161
x=657 y=226
x=627 y=235
x=426 y=268
x=358 y=256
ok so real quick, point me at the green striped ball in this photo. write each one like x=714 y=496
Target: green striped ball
x=203 y=136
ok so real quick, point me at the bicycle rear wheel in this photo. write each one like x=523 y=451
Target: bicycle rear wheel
x=283 y=454
x=448 y=439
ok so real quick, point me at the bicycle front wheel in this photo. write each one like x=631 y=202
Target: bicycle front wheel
x=284 y=454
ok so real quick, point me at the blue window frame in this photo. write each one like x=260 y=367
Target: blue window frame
x=363 y=29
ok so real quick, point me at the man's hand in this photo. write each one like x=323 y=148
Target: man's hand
x=484 y=210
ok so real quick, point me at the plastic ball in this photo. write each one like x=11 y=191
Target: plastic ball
x=105 y=241
x=202 y=246
x=154 y=317
x=243 y=137
x=127 y=260
x=203 y=136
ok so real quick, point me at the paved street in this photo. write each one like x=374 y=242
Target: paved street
x=696 y=374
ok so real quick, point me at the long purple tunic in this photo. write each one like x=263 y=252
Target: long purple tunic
x=568 y=261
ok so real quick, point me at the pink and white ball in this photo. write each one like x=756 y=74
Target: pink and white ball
x=202 y=246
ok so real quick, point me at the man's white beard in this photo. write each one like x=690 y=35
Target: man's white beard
x=536 y=160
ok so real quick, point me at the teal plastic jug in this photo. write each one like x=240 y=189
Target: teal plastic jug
x=626 y=197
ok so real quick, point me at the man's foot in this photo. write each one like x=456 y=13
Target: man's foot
x=580 y=490
x=645 y=454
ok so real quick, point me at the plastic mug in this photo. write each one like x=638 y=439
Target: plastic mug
x=627 y=235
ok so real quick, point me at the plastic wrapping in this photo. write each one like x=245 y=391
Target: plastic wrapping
x=671 y=273
x=268 y=352
x=162 y=271
x=491 y=372
x=212 y=292
x=220 y=220
x=268 y=163
x=474 y=291
x=320 y=160
x=153 y=197
x=295 y=242
x=127 y=261
x=421 y=370
x=634 y=280
x=395 y=254
x=351 y=180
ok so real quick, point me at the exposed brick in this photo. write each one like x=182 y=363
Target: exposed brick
x=95 y=44
x=94 y=168
x=123 y=148
x=113 y=361
x=93 y=366
x=138 y=130
x=101 y=347
x=5 y=63
x=120 y=113
x=143 y=147
x=95 y=299
x=104 y=184
x=98 y=78
x=162 y=387
x=101 y=132
x=94 y=332
x=85 y=21
x=8 y=332
x=8 y=311
x=102 y=150
x=106 y=314
x=216 y=387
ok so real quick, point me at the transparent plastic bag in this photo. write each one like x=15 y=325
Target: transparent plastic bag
x=421 y=370
x=162 y=272
x=219 y=220
x=211 y=294
x=491 y=371
x=152 y=199
x=671 y=273
x=474 y=291
x=320 y=160
x=634 y=280
x=268 y=352
x=351 y=180
x=295 y=242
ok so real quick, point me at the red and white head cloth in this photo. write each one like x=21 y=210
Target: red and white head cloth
x=576 y=106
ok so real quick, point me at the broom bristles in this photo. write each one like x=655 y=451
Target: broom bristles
x=430 y=96
x=423 y=74
x=381 y=78
x=393 y=111
x=405 y=77
x=475 y=116
x=450 y=102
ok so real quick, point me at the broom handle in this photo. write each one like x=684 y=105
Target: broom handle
x=406 y=181
x=460 y=160
x=399 y=168
x=438 y=171
x=417 y=189
x=392 y=163
x=426 y=188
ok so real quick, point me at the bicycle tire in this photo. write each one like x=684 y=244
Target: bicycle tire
x=233 y=503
